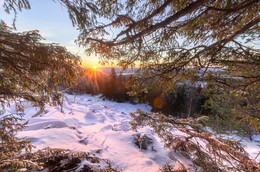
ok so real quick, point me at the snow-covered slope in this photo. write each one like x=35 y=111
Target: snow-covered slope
x=91 y=124
x=94 y=125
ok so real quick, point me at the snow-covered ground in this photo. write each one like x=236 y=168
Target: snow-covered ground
x=91 y=124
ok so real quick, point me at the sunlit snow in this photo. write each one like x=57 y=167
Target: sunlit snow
x=89 y=123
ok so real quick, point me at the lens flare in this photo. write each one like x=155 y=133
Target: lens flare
x=159 y=102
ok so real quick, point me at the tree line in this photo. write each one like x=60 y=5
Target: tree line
x=184 y=101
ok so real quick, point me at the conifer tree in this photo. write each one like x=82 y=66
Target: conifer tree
x=182 y=40
x=29 y=71
x=178 y=40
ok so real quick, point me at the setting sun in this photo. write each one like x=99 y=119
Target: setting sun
x=94 y=67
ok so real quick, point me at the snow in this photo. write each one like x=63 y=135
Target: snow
x=251 y=147
x=91 y=124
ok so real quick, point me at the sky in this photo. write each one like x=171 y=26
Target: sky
x=53 y=22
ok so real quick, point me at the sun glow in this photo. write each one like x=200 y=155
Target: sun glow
x=93 y=76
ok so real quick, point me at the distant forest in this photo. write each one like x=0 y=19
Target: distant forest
x=183 y=101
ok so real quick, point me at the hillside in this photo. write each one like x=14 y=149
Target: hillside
x=92 y=124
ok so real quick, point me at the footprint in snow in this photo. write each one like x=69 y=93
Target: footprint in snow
x=93 y=118
x=123 y=126
x=46 y=125
x=111 y=116
x=90 y=115
x=108 y=127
